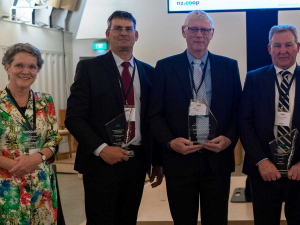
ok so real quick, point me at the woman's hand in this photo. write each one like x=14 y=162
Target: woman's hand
x=26 y=164
x=7 y=163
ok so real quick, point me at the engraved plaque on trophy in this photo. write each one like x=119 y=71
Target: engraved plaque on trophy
x=200 y=127
x=283 y=150
x=116 y=130
x=119 y=130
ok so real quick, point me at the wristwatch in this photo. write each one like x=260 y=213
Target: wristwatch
x=43 y=156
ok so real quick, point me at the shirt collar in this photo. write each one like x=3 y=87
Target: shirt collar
x=291 y=69
x=119 y=61
x=191 y=58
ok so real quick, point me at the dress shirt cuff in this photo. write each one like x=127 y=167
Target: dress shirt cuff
x=99 y=149
x=261 y=161
x=169 y=145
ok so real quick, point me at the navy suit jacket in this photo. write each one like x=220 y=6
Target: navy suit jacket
x=168 y=111
x=96 y=99
x=257 y=116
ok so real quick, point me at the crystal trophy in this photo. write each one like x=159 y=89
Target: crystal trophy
x=119 y=131
x=202 y=124
x=283 y=150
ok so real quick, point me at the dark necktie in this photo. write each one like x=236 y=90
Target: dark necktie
x=126 y=77
x=284 y=106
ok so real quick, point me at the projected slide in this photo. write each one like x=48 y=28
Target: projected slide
x=223 y=5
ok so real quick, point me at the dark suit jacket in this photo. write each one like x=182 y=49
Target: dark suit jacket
x=257 y=116
x=96 y=99
x=170 y=99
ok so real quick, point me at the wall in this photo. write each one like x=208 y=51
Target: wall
x=160 y=32
x=81 y=47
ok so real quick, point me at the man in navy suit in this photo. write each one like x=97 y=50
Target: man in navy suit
x=103 y=88
x=269 y=93
x=203 y=168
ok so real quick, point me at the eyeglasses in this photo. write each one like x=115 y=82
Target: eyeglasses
x=194 y=30
x=120 y=29
x=31 y=68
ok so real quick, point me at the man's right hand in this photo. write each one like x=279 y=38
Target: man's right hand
x=184 y=146
x=268 y=171
x=112 y=155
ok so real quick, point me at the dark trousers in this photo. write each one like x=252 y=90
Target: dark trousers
x=113 y=197
x=183 y=195
x=268 y=197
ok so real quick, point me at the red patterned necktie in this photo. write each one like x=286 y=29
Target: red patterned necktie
x=126 y=77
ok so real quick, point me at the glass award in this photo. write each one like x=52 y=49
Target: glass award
x=202 y=124
x=119 y=131
x=116 y=130
x=283 y=150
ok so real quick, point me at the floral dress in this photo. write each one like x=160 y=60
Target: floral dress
x=30 y=199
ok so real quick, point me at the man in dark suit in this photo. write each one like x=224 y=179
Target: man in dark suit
x=103 y=88
x=259 y=113
x=204 y=168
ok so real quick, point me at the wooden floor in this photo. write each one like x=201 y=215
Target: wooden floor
x=66 y=165
x=154 y=209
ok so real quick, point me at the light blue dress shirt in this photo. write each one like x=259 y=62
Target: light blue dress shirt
x=207 y=79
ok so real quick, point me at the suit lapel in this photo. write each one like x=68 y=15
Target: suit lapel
x=216 y=79
x=297 y=94
x=9 y=110
x=182 y=71
x=113 y=73
x=145 y=87
x=39 y=104
x=269 y=83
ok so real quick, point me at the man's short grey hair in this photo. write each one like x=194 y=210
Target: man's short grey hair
x=198 y=15
x=10 y=53
x=281 y=29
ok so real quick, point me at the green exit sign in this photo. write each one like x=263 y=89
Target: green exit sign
x=100 y=46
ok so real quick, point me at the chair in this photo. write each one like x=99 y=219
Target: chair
x=62 y=130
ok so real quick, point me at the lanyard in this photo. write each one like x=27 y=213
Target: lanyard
x=281 y=94
x=203 y=76
x=130 y=86
x=23 y=114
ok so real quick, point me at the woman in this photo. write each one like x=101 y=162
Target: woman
x=28 y=143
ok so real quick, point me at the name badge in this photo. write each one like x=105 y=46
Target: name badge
x=283 y=119
x=130 y=113
x=197 y=109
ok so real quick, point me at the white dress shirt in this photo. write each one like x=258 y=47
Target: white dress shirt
x=291 y=93
x=137 y=140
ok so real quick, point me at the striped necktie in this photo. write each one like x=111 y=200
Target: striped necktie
x=284 y=106
x=202 y=123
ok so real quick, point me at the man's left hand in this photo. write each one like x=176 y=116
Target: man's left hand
x=156 y=172
x=217 y=144
x=294 y=172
